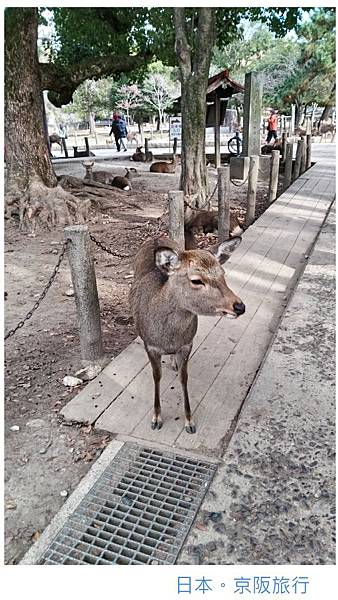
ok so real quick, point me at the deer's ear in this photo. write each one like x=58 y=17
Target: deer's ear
x=167 y=260
x=222 y=251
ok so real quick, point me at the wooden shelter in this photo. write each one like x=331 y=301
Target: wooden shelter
x=220 y=88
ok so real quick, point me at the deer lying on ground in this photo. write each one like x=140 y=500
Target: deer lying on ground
x=170 y=289
x=164 y=167
x=100 y=176
x=124 y=183
x=267 y=148
x=140 y=156
x=206 y=221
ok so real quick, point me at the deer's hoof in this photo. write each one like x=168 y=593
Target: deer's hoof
x=190 y=427
x=156 y=423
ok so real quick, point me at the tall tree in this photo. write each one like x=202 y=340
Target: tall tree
x=90 y=43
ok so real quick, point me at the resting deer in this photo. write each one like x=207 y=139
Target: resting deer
x=206 y=221
x=124 y=183
x=100 y=176
x=164 y=167
x=170 y=289
x=140 y=156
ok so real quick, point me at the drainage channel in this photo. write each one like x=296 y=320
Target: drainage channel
x=139 y=511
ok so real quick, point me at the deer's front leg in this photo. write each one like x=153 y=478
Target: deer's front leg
x=182 y=357
x=155 y=360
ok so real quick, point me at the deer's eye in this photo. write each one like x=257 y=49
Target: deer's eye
x=197 y=282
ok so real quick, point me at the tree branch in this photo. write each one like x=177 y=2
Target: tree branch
x=62 y=80
x=182 y=48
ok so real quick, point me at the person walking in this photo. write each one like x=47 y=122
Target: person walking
x=272 y=126
x=115 y=130
x=123 y=132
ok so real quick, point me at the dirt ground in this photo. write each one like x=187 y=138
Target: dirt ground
x=44 y=458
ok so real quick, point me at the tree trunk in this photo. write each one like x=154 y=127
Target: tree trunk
x=325 y=114
x=194 y=173
x=31 y=187
x=194 y=71
x=27 y=154
x=92 y=128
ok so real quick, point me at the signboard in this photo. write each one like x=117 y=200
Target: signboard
x=175 y=127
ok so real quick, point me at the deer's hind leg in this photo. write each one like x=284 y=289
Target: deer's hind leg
x=155 y=361
x=182 y=357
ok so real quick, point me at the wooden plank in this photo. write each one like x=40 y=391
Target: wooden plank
x=93 y=400
x=223 y=400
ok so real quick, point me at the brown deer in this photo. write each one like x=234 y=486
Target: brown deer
x=100 y=176
x=267 y=148
x=124 y=183
x=171 y=288
x=206 y=221
x=140 y=156
x=164 y=167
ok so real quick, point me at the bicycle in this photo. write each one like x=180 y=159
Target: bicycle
x=235 y=145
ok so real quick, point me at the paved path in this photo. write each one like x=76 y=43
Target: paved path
x=272 y=500
x=227 y=354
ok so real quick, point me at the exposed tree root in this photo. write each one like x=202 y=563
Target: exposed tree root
x=71 y=201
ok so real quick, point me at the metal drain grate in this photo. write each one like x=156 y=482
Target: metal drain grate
x=139 y=511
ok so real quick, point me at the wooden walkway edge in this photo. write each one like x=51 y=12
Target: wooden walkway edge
x=227 y=353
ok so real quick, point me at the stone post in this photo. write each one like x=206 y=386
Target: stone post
x=252 y=115
x=252 y=190
x=273 y=184
x=223 y=203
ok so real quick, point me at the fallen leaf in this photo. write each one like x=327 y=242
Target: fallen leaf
x=36 y=536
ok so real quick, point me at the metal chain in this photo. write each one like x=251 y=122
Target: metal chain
x=107 y=249
x=206 y=201
x=42 y=295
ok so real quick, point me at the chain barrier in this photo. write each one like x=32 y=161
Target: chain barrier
x=42 y=295
x=206 y=201
x=100 y=245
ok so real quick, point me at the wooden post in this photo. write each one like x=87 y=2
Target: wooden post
x=64 y=146
x=87 y=145
x=146 y=145
x=308 y=150
x=223 y=203
x=217 y=130
x=284 y=142
x=288 y=165
x=303 y=157
x=176 y=217
x=85 y=291
x=252 y=189
x=273 y=184
x=299 y=153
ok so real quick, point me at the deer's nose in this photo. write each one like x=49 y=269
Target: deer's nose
x=239 y=308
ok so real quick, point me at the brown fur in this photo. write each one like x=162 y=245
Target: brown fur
x=205 y=221
x=170 y=289
x=164 y=167
x=124 y=183
x=100 y=176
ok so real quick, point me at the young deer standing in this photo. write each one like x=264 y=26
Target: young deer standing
x=170 y=289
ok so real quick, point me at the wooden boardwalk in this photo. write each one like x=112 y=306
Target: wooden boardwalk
x=227 y=353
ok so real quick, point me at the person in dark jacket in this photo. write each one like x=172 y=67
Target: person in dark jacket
x=115 y=130
x=123 y=132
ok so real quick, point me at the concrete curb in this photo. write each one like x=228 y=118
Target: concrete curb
x=35 y=553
